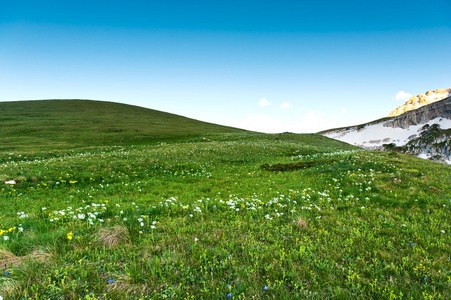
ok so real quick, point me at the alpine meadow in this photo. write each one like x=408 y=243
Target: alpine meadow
x=102 y=200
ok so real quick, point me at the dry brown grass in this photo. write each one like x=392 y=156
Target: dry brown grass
x=123 y=284
x=112 y=236
x=9 y=286
x=301 y=223
x=9 y=260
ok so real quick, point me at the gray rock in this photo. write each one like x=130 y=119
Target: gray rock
x=439 y=109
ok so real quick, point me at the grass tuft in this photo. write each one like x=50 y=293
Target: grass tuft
x=113 y=236
x=9 y=287
x=301 y=223
x=8 y=260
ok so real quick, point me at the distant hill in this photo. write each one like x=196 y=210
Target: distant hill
x=424 y=132
x=75 y=123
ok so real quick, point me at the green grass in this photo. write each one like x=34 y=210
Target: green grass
x=203 y=217
x=62 y=124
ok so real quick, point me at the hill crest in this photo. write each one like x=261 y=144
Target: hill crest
x=75 y=122
x=420 y=100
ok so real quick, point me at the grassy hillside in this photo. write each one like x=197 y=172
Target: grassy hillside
x=243 y=216
x=74 y=123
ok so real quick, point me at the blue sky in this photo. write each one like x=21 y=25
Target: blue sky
x=271 y=66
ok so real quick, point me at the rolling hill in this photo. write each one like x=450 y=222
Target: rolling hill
x=74 y=123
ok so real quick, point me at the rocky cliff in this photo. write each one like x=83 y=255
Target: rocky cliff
x=420 y=100
x=424 y=132
x=422 y=115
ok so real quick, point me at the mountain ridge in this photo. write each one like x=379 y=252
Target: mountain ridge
x=420 y=100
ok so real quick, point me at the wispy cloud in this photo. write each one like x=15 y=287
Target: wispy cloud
x=313 y=121
x=264 y=102
x=262 y=123
x=401 y=95
x=286 y=105
x=310 y=121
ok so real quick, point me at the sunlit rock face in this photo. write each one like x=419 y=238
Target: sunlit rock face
x=421 y=100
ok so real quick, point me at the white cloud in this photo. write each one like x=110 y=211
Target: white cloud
x=286 y=105
x=264 y=102
x=262 y=123
x=308 y=121
x=401 y=95
x=313 y=121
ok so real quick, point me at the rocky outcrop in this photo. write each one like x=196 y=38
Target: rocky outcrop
x=424 y=132
x=432 y=142
x=420 y=100
x=422 y=115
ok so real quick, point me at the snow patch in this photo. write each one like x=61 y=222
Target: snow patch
x=377 y=134
x=426 y=156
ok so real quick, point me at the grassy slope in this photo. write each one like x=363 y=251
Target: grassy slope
x=74 y=123
x=200 y=218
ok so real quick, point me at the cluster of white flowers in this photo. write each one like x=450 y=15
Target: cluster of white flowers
x=22 y=215
x=90 y=213
x=153 y=225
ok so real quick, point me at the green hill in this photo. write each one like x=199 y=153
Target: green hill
x=215 y=213
x=234 y=216
x=74 y=123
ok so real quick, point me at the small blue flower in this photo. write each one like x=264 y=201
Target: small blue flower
x=425 y=278
x=265 y=288
x=228 y=286
x=7 y=273
x=229 y=295
x=110 y=280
